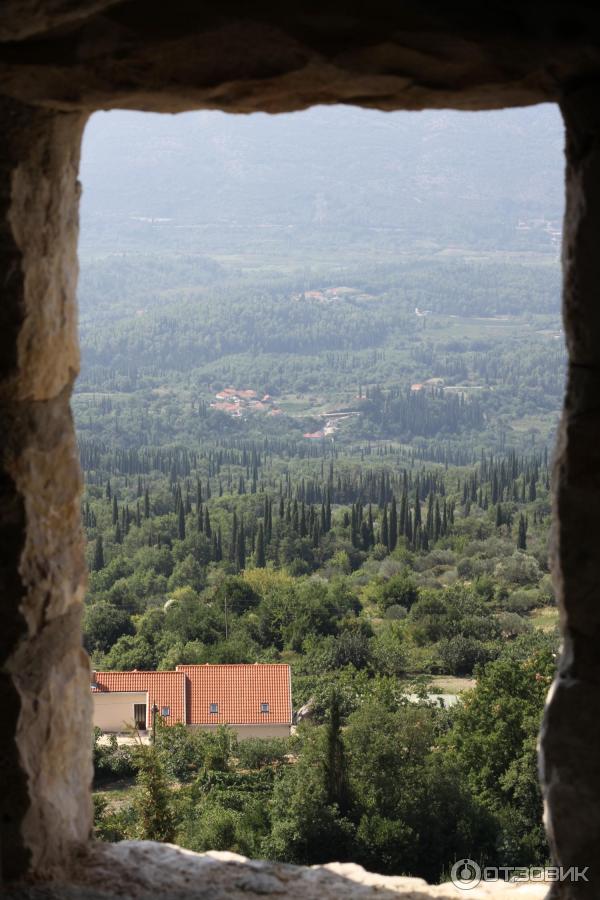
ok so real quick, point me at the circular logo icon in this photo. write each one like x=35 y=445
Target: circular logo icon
x=465 y=874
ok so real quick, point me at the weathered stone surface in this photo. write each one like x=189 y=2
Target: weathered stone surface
x=570 y=739
x=147 y=54
x=45 y=757
x=22 y=18
x=143 y=869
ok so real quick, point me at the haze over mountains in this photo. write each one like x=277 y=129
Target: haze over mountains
x=210 y=182
x=208 y=241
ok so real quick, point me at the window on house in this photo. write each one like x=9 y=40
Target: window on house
x=264 y=707
x=214 y=708
x=165 y=711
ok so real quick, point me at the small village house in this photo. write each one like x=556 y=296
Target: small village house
x=254 y=700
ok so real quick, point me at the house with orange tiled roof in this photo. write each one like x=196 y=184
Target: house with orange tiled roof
x=255 y=700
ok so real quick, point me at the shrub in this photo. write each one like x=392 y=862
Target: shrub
x=465 y=568
x=395 y=612
x=522 y=601
x=254 y=753
x=400 y=590
x=111 y=760
x=103 y=625
x=188 y=751
x=460 y=655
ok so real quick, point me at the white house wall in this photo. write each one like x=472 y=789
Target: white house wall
x=113 y=711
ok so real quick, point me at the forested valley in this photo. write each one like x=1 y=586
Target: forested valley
x=316 y=444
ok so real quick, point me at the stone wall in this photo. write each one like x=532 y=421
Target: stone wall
x=268 y=55
x=60 y=60
x=571 y=730
x=44 y=683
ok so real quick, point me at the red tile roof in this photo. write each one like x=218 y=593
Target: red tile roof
x=164 y=689
x=239 y=691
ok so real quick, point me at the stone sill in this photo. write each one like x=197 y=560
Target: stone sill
x=144 y=870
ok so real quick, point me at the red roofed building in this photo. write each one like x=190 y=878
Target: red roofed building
x=314 y=435
x=255 y=700
x=119 y=696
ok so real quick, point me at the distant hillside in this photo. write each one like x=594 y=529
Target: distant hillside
x=208 y=180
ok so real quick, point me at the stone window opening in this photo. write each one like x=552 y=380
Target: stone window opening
x=62 y=61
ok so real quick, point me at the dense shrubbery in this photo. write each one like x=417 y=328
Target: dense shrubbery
x=430 y=581
x=401 y=786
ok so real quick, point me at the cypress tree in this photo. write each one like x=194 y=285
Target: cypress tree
x=260 y=548
x=219 y=546
x=522 y=536
x=153 y=801
x=269 y=522
x=532 y=489
x=207 y=525
x=302 y=528
x=403 y=514
x=98 y=562
x=181 y=523
x=408 y=528
x=417 y=519
x=365 y=536
x=385 y=535
x=393 y=526
x=316 y=536
x=336 y=768
x=146 y=504
x=240 y=556
x=429 y=526
x=115 y=510
x=234 y=531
